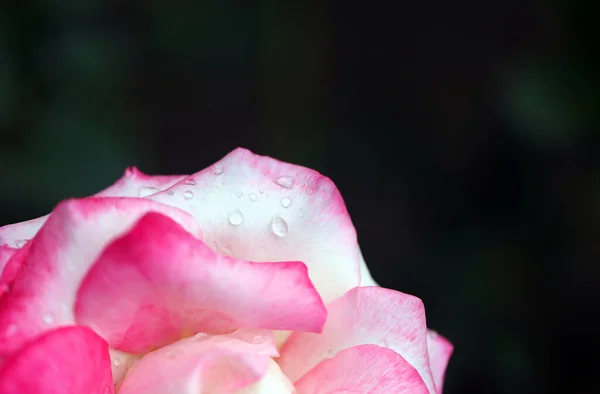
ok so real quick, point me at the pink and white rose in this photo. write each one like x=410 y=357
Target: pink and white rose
x=245 y=277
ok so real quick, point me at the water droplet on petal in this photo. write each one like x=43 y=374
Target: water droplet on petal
x=236 y=218
x=286 y=202
x=116 y=362
x=170 y=192
x=188 y=194
x=21 y=242
x=239 y=194
x=147 y=191
x=383 y=343
x=190 y=182
x=285 y=181
x=261 y=191
x=301 y=213
x=252 y=197
x=279 y=226
x=218 y=169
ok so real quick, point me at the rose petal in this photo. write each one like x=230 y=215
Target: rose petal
x=174 y=283
x=68 y=360
x=363 y=369
x=43 y=293
x=273 y=382
x=12 y=267
x=440 y=351
x=364 y=315
x=365 y=275
x=132 y=184
x=5 y=254
x=260 y=209
x=202 y=364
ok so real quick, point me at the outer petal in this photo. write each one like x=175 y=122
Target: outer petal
x=260 y=209
x=132 y=184
x=364 y=315
x=440 y=351
x=12 y=266
x=5 y=254
x=365 y=276
x=68 y=360
x=367 y=369
x=202 y=364
x=43 y=293
x=176 y=285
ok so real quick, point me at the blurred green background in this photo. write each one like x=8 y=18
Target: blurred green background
x=463 y=136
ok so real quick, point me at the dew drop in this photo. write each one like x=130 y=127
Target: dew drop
x=190 y=182
x=301 y=213
x=252 y=197
x=170 y=192
x=285 y=181
x=188 y=194
x=286 y=202
x=239 y=194
x=279 y=226
x=21 y=242
x=383 y=343
x=261 y=191
x=147 y=191
x=236 y=218
x=116 y=362
x=218 y=169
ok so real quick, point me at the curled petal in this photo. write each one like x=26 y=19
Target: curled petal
x=363 y=369
x=42 y=294
x=260 y=209
x=202 y=364
x=364 y=315
x=172 y=284
x=68 y=360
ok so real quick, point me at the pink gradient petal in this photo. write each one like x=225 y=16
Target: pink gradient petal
x=366 y=279
x=12 y=267
x=133 y=183
x=5 y=254
x=203 y=364
x=364 y=369
x=260 y=209
x=364 y=315
x=440 y=351
x=68 y=360
x=171 y=284
x=42 y=295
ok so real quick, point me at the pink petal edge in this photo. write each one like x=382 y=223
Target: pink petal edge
x=67 y=360
x=364 y=315
x=365 y=369
x=440 y=351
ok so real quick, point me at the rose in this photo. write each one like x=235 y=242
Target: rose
x=245 y=277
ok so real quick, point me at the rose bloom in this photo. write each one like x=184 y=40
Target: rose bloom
x=245 y=277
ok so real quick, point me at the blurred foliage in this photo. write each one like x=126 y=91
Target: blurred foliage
x=462 y=135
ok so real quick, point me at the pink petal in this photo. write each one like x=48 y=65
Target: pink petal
x=440 y=350
x=365 y=276
x=132 y=184
x=364 y=315
x=12 y=266
x=68 y=360
x=367 y=369
x=203 y=364
x=260 y=209
x=176 y=285
x=5 y=254
x=43 y=293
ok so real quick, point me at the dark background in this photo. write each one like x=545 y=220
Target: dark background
x=462 y=135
